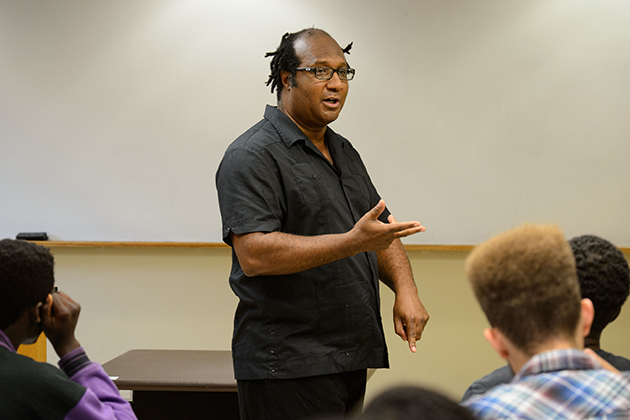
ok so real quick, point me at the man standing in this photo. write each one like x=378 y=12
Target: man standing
x=310 y=238
x=526 y=283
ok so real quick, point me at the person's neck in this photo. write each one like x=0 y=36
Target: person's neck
x=592 y=343
x=517 y=358
x=316 y=135
x=15 y=334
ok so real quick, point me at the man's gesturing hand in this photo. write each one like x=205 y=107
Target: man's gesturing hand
x=373 y=235
x=59 y=318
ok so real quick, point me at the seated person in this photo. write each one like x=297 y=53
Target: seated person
x=413 y=403
x=526 y=283
x=32 y=390
x=604 y=278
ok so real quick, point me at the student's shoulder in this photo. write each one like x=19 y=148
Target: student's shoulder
x=619 y=362
x=499 y=376
x=13 y=365
x=24 y=381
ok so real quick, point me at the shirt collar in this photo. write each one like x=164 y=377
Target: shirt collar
x=288 y=130
x=556 y=360
x=5 y=342
x=290 y=133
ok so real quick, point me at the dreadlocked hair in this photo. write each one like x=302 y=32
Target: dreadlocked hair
x=285 y=59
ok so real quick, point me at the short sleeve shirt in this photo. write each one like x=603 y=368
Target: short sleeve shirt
x=323 y=320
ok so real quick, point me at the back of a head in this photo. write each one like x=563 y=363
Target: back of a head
x=26 y=278
x=414 y=403
x=526 y=283
x=604 y=277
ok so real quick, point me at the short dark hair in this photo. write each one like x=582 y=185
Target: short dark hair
x=285 y=58
x=604 y=277
x=26 y=278
x=526 y=283
x=413 y=402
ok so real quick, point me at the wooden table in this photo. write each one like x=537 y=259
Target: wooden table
x=173 y=384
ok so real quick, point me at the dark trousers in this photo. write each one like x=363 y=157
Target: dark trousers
x=328 y=396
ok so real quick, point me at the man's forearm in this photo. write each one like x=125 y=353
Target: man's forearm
x=394 y=268
x=277 y=253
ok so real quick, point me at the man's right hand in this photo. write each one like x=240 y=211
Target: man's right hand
x=60 y=315
x=373 y=235
x=278 y=253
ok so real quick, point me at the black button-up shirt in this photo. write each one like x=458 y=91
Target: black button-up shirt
x=319 y=321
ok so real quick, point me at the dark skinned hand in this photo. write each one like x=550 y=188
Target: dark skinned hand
x=59 y=319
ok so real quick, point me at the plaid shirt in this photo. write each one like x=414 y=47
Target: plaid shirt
x=558 y=384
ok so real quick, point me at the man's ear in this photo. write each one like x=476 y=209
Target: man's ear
x=497 y=341
x=35 y=312
x=587 y=315
x=285 y=77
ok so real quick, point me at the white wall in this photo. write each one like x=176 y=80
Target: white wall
x=472 y=116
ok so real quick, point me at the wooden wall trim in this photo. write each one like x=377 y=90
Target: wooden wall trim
x=123 y=244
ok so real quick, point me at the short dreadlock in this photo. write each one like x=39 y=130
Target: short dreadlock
x=285 y=59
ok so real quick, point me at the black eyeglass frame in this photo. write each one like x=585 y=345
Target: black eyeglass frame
x=350 y=72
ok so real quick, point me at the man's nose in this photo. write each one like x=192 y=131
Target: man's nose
x=335 y=82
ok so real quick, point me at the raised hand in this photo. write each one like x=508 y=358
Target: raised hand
x=59 y=319
x=371 y=234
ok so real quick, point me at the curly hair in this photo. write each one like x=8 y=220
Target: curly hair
x=526 y=283
x=604 y=277
x=285 y=59
x=26 y=278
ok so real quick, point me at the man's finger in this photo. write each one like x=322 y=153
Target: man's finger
x=411 y=333
x=404 y=232
x=399 y=328
x=378 y=209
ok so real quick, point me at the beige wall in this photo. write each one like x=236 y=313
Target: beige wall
x=180 y=299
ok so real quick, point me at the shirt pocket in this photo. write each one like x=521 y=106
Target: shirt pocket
x=310 y=184
x=358 y=189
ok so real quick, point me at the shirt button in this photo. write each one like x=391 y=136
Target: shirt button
x=272 y=370
x=347 y=305
x=347 y=353
x=273 y=352
x=273 y=333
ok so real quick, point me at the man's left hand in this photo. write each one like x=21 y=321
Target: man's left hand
x=410 y=317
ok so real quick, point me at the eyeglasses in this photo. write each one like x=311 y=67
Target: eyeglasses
x=326 y=73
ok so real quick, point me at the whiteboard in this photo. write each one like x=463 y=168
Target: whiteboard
x=471 y=116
